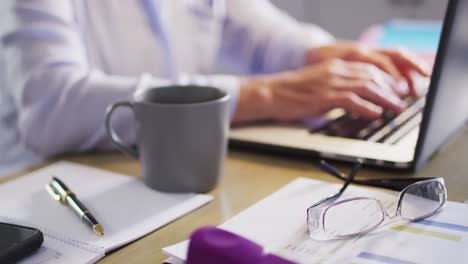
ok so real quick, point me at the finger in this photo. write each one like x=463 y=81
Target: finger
x=408 y=64
x=381 y=61
x=372 y=92
x=401 y=87
x=408 y=60
x=354 y=104
x=411 y=84
x=370 y=72
x=418 y=84
x=421 y=84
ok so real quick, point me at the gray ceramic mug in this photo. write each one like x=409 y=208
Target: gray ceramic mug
x=181 y=136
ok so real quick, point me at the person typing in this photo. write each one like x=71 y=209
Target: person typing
x=64 y=62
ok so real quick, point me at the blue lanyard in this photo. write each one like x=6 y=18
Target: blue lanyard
x=154 y=18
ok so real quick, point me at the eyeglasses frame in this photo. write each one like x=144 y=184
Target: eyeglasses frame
x=385 y=213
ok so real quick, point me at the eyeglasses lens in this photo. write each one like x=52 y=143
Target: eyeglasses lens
x=353 y=217
x=422 y=200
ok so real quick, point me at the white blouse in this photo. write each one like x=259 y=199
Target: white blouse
x=64 y=61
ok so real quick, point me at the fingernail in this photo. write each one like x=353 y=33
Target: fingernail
x=400 y=108
x=427 y=69
x=403 y=105
x=402 y=86
x=399 y=104
x=377 y=110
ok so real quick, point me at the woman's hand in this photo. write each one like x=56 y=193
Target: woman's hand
x=360 y=88
x=401 y=64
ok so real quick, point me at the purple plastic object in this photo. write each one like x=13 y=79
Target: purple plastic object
x=211 y=245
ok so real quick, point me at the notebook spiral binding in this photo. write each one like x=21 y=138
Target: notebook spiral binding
x=57 y=236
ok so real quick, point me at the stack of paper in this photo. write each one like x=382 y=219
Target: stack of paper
x=123 y=205
x=279 y=224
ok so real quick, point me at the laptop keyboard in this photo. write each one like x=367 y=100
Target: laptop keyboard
x=387 y=129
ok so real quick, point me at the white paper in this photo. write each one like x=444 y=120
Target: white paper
x=54 y=251
x=271 y=221
x=123 y=205
x=279 y=224
x=172 y=260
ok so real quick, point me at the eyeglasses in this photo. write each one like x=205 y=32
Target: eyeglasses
x=331 y=219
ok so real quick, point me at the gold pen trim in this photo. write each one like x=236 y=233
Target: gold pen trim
x=98 y=230
x=57 y=194
x=84 y=213
x=67 y=194
x=60 y=192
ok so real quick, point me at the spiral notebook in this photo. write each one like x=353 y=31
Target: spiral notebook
x=125 y=207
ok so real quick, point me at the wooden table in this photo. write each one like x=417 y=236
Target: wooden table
x=250 y=177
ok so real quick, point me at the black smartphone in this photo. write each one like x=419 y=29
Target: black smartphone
x=17 y=242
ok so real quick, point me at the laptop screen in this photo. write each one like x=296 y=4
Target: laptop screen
x=446 y=110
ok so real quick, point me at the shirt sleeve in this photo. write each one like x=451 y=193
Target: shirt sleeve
x=259 y=38
x=60 y=99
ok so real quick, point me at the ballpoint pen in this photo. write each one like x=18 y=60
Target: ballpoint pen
x=60 y=192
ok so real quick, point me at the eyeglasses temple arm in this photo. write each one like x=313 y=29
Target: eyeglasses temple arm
x=351 y=176
x=330 y=199
x=326 y=201
x=396 y=184
x=326 y=167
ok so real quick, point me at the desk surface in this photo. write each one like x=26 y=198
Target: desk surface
x=250 y=177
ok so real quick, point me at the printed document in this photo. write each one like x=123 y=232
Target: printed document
x=278 y=223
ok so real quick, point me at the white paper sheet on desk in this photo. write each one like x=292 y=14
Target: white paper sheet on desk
x=278 y=223
x=123 y=205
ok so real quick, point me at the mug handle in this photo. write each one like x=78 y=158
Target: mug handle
x=131 y=151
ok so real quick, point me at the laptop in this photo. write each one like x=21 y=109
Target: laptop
x=407 y=140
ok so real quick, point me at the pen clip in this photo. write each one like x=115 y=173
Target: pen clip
x=53 y=192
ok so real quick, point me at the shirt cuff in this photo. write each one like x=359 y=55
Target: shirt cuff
x=304 y=38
